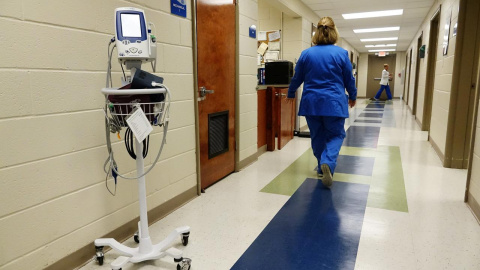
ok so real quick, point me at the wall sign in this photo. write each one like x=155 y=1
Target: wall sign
x=252 y=31
x=178 y=7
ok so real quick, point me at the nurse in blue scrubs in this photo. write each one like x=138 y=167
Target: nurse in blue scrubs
x=326 y=72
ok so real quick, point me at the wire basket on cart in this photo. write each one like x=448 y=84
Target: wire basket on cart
x=121 y=106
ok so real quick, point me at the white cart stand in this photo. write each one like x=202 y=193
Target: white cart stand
x=146 y=250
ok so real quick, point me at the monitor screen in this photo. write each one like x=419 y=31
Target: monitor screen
x=131 y=25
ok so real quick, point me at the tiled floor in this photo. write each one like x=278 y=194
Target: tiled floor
x=415 y=216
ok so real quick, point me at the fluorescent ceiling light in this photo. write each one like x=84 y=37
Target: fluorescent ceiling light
x=383 y=29
x=384 y=50
x=372 y=14
x=378 y=39
x=381 y=45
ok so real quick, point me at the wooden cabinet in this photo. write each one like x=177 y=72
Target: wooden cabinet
x=276 y=117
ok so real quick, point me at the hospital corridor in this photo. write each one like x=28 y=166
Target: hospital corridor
x=213 y=135
x=391 y=206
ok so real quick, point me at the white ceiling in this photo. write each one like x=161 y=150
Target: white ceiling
x=414 y=12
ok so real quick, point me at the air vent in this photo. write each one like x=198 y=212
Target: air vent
x=217 y=134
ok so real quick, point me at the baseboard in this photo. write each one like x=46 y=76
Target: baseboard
x=249 y=160
x=437 y=150
x=418 y=122
x=474 y=206
x=83 y=255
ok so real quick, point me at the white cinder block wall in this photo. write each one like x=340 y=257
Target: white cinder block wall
x=269 y=17
x=248 y=15
x=399 y=65
x=52 y=185
x=362 y=70
x=292 y=37
x=443 y=71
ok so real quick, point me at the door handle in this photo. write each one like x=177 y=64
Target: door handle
x=282 y=95
x=204 y=91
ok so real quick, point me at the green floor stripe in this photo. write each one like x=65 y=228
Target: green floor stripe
x=288 y=181
x=352 y=178
x=357 y=151
x=387 y=189
x=387 y=186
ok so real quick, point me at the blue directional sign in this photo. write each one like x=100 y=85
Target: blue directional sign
x=179 y=7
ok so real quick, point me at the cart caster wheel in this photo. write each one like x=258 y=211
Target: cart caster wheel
x=135 y=238
x=99 y=255
x=184 y=264
x=184 y=267
x=100 y=260
x=185 y=238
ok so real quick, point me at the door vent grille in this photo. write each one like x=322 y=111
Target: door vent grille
x=217 y=134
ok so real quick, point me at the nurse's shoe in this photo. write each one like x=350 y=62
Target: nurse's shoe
x=327 y=178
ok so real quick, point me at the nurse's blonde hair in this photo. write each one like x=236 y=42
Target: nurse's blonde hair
x=326 y=32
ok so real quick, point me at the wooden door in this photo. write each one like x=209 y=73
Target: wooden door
x=375 y=67
x=216 y=72
x=417 y=75
x=431 y=67
x=285 y=118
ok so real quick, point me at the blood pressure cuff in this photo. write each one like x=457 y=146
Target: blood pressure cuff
x=142 y=79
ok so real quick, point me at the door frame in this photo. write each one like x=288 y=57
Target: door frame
x=195 y=94
x=459 y=127
x=196 y=91
x=409 y=76
x=405 y=76
x=472 y=140
x=431 y=66
x=356 y=72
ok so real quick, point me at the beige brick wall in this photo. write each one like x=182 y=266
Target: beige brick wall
x=362 y=75
x=52 y=184
x=443 y=71
x=269 y=17
x=292 y=37
x=306 y=43
x=248 y=15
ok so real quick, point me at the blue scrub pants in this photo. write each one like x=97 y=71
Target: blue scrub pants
x=387 y=89
x=327 y=134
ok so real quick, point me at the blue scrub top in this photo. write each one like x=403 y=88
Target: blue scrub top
x=325 y=71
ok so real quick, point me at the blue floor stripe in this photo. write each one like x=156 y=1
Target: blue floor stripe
x=375 y=105
x=355 y=165
x=371 y=114
x=317 y=228
x=362 y=136
x=373 y=110
x=369 y=121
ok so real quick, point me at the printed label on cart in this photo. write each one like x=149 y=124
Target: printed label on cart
x=139 y=125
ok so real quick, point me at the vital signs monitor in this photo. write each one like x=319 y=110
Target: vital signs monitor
x=132 y=35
